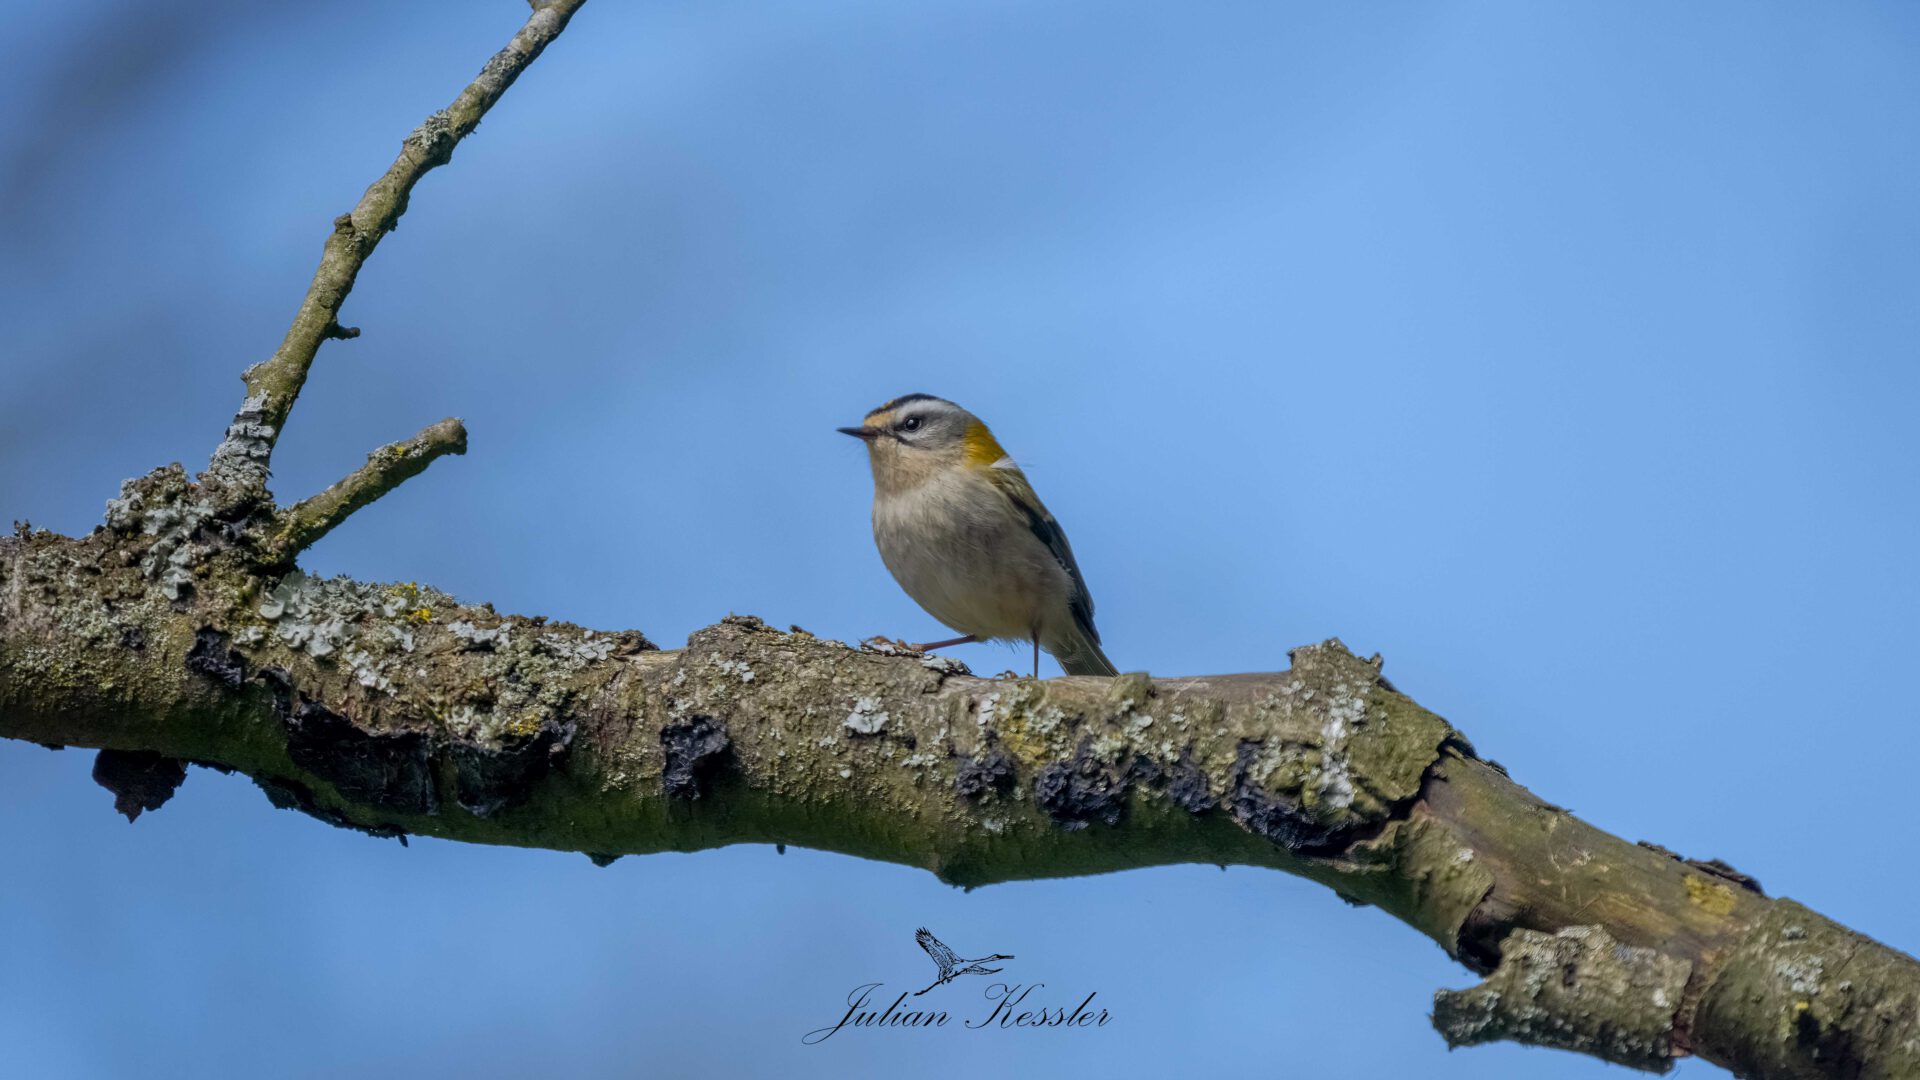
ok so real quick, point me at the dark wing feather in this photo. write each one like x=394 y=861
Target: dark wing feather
x=942 y=956
x=1048 y=531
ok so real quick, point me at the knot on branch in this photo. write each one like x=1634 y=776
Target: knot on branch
x=1575 y=990
x=434 y=139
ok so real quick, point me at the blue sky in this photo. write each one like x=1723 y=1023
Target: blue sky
x=1564 y=354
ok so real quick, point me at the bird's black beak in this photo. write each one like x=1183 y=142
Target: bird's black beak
x=865 y=434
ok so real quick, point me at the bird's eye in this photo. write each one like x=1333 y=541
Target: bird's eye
x=911 y=423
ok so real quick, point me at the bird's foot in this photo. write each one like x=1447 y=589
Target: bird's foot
x=887 y=646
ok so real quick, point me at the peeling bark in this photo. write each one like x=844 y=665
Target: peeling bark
x=180 y=631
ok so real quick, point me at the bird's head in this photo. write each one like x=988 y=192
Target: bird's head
x=914 y=438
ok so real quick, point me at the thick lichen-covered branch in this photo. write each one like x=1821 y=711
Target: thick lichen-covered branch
x=386 y=468
x=240 y=463
x=398 y=710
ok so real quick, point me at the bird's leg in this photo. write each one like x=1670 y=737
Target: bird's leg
x=1036 y=652
x=932 y=645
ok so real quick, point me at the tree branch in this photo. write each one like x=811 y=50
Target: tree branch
x=386 y=468
x=240 y=463
x=396 y=709
x=176 y=633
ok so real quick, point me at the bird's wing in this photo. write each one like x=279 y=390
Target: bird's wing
x=942 y=956
x=1013 y=484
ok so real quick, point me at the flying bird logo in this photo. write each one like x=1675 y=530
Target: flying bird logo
x=952 y=966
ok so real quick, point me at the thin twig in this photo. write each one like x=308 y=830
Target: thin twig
x=240 y=463
x=386 y=468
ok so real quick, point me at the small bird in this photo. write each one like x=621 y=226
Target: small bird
x=966 y=537
x=948 y=963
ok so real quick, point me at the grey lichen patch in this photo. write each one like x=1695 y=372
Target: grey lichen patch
x=508 y=60
x=479 y=638
x=944 y=665
x=413 y=657
x=582 y=648
x=867 y=717
x=1346 y=709
x=168 y=514
x=240 y=461
x=319 y=617
x=434 y=138
x=1577 y=990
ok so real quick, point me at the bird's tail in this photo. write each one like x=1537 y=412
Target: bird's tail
x=1079 y=653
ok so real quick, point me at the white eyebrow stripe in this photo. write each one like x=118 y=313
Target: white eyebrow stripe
x=1005 y=462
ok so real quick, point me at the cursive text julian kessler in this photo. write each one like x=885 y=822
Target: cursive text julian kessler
x=1008 y=1006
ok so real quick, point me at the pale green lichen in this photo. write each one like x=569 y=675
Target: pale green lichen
x=866 y=717
x=1346 y=711
x=944 y=665
x=585 y=648
x=479 y=637
x=163 y=506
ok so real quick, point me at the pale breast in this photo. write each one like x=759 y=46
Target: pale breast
x=957 y=548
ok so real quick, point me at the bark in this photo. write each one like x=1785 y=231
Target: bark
x=181 y=631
